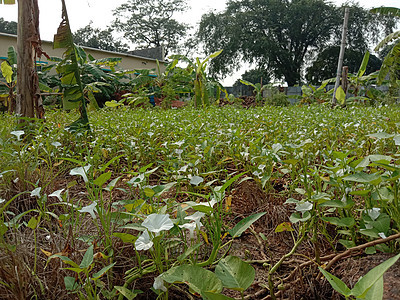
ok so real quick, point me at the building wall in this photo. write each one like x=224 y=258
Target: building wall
x=129 y=62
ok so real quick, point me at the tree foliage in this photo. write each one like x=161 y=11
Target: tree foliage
x=325 y=64
x=8 y=27
x=391 y=62
x=99 y=39
x=281 y=35
x=151 y=23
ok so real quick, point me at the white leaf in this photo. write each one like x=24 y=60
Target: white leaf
x=196 y=180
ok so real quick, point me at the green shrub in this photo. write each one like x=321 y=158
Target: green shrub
x=277 y=99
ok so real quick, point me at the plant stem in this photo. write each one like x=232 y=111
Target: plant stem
x=279 y=263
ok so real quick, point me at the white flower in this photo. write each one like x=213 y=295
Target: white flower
x=382 y=235
x=143 y=242
x=56 y=144
x=159 y=284
x=179 y=152
x=57 y=194
x=18 y=134
x=36 y=192
x=81 y=171
x=189 y=226
x=303 y=207
x=196 y=218
x=157 y=222
x=211 y=203
x=89 y=209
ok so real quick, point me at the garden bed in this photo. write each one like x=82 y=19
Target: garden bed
x=271 y=162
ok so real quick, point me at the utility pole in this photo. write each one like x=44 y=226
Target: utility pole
x=341 y=55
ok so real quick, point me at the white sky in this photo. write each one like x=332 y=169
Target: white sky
x=81 y=12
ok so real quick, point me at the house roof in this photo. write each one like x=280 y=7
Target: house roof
x=99 y=50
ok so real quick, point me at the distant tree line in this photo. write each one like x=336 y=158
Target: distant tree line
x=8 y=27
x=291 y=40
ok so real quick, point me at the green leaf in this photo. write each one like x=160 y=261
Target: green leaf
x=340 y=95
x=344 y=222
x=149 y=192
x=362 y=177
x=112 y=184
x=376 y=291
x=7 y=71
x=188 y=251
x=65 y=259
x=336 y=283
x=380 y=135
x=298 y=217
x=366 y=282
x=102 y=271
x=70 y=283
x=87 y=258
x=197 y=278
x=102 y=179
x=370 y=250
x=33 y=222
x=285 y=226
x=113 y=103
x=244 y=224
x=234 y=273
x=7 y=1
x=128 y=294
x=215 y=296
x=363 y=66
x=125 y=237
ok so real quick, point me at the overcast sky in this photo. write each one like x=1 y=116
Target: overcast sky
x=81 y=12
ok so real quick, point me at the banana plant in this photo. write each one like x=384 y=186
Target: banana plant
x=391 y=63
x=69 y=70
x=201 y=92
x=9 y=74
x=258 y=89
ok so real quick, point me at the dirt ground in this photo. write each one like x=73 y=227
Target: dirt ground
x=248 y=198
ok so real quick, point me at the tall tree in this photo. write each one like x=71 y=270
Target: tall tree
x=281 y=35
x=273 y=34
x=8 y=27
x=99 y=39
x=28 y=103
x=150 y=23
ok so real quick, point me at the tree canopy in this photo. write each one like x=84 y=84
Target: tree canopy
x=281 y=35
x=325 y=64
x=100 y=39
x=151 y=23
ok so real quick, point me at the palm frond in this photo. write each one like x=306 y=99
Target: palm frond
x=394 y=11
x=391 y=37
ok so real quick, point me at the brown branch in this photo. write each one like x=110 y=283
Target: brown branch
x=361 y=247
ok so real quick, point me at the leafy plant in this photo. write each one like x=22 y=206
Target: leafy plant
x=369 y=286
x=8 y=71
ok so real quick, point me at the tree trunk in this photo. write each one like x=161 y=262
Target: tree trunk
x=28 y=102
